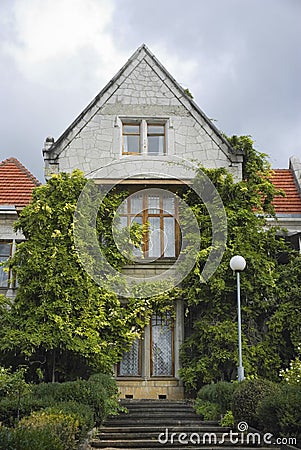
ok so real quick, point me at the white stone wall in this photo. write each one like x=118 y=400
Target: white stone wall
x=144 y=91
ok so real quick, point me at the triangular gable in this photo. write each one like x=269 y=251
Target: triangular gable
x=142 y=66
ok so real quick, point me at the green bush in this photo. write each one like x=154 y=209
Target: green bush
x=208 y=410
x=83 y=414
x=6 y=438
x=62 y=428
x=81 y=391
x=247 y=398
x=220 y=393
x=9 y=408
x=41 y=431
x=281 y=414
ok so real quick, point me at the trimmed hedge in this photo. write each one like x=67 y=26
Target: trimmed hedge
x=281 y=414
x=220 y=393
x=247 y=398
x=55 y=416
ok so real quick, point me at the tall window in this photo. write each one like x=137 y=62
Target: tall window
x=162 y=360
x=160 y=212
x=5 y=252
x=130 y=365
x=143 y=137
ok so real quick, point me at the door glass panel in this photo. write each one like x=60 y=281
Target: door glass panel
x=154 y=238
x=130 y=363
x=169 y=237
x=162 y=347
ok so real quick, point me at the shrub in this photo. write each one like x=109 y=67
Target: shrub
x=61 y=428
x=11 y=409
x=83 y=414
x=80 y=391
x=208 y=410
x=6 y=438
x=247 y=398
x=281 y=414
x=228 y=419
x=220 y=393
x=40 y=431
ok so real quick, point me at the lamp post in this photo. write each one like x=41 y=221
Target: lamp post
x=238 y=264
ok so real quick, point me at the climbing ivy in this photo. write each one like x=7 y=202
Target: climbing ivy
x=60 y=315
x=209 y=352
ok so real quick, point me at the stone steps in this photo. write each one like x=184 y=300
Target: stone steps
x=150 y=424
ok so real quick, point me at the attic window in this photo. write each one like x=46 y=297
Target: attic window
x=131 y=139
x=146 y=137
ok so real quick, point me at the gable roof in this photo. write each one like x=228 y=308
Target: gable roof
x=290 y=204
x=142 y=52
x=16 y=183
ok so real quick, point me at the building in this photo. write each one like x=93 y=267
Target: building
x=140 y=132
x=16 y=185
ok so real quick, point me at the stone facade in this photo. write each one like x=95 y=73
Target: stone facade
x=142 y=89
x=143 y=92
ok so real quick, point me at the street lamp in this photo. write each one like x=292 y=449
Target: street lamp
x=237 y=264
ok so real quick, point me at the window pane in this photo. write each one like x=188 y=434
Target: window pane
x=156 y=145
x=155 y=129
x=131 y=129
x=123 y=222
x=162 y=348
x=136 y=204
x=154 y=239
x=3 y=275
x=169 y=205
x=131 y=144
x=169 y=237
x=153 y=205
x=5 y=249
x=129 y=365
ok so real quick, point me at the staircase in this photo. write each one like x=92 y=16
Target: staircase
x=151 y=424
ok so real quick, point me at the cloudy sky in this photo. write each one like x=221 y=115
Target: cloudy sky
x=241 y=59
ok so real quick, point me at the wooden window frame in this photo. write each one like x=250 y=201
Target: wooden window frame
x=156 y=124
x=145 y=215
x=8 y=282
x=144 y=134
x=128 y=124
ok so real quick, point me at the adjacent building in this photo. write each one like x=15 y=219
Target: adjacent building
x=16 y=185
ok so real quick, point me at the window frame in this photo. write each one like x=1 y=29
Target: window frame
x=144 y=124
x=128 y=124
x=161 y=214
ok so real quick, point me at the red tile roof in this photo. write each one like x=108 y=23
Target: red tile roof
x=16 y=183
x=291 y=203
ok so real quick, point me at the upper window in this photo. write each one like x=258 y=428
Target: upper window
x=155 y=139
x=160 y=212
x=143 y=137
x=131 y=139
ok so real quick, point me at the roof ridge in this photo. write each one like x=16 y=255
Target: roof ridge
x=21 y=167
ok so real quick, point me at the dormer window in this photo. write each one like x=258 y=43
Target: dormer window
x=143 y=137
